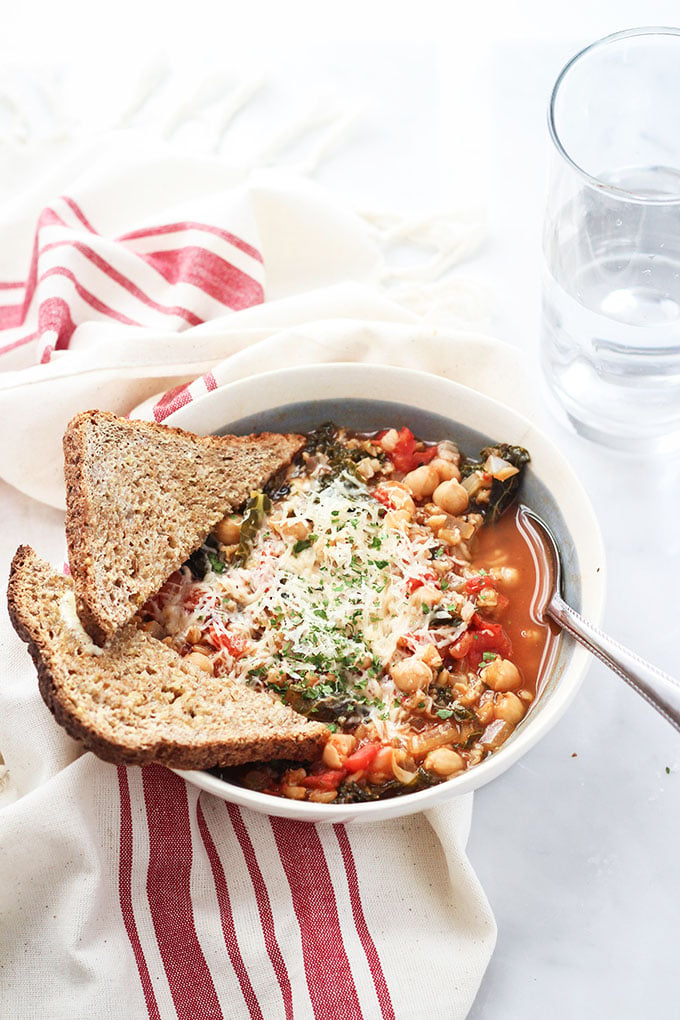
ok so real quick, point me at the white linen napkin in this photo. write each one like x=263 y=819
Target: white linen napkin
x=124 y=891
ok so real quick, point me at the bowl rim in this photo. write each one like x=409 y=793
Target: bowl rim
x=214 y=410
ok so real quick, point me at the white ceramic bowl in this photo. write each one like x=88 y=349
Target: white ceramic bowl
x=370 y=397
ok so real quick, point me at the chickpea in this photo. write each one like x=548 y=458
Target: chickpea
x=381 y=766
x=345 y=742
x=443 y=761
x=451 y=497
x=194 y=635
x=400 y=497
x=228 y=531
x=368 y=467
x=436 y=522
x=322 y=796
x=501 y=675
x=508 y=707
x=294 y=792
x=445 y=469
x=338 y=747
x=199 y=660
x=411 y=674
x=431 y=657
x=487 y=598
x=422 y=481
x=331 y=758
x=426 y=595
x=395 y=519
x=293 y=529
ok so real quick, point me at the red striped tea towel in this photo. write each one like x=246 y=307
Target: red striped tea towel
x=124 y=892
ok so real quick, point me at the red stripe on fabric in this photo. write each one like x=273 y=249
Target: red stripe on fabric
x=47 y=217
x=329 y=975
x=123 y=281
x=87 y=296
x=11 y=315
x=168 y=887
x=78 y=213
x=227 y=918
x=367 y=942
x=125 y=893
x=32 y=281
x=172 y=228
x=210 y=381
x=54 y=315
x=212 y=274
x=263 y=906
x=178 y=396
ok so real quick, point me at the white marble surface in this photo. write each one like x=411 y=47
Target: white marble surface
x=576 y=846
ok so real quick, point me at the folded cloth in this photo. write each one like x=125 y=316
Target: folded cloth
x=125 y=892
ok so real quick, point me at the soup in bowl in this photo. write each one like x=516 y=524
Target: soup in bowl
x=383 y=586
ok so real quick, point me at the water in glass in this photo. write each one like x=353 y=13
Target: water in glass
x=611 y=309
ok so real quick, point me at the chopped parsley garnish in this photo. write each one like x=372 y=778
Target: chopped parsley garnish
x=216 y=563
x=304 y=543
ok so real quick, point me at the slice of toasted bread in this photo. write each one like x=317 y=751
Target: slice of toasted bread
x=135 y=700
x=141 y=497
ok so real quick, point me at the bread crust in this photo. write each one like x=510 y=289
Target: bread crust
x=114 y=702
x=132 y=511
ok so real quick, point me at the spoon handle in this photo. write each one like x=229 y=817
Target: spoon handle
x=656 y=687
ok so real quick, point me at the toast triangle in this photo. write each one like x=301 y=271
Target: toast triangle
x=135 y=701
x=141 y=497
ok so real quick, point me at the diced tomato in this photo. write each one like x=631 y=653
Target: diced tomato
x=417 y=582
x=481 y=637
x=475 y=584
x=233 y=643
x=383 y=497
x=460 y=648
x=328 y=780
x=405 y=457
x=362 y=758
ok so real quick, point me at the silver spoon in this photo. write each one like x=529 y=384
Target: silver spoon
x=659 y=689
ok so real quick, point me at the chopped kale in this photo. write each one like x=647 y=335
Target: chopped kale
x=502 y=493
x=257 y=508
x=340 y=457
x=205 y=559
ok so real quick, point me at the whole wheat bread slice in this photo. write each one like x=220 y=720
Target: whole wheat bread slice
x=135 y=700
x=141 y=497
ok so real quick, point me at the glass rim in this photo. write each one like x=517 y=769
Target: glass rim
x=596 y=182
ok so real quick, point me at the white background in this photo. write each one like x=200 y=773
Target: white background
x=577 y=845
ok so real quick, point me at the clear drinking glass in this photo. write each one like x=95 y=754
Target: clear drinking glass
x=611 y=292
